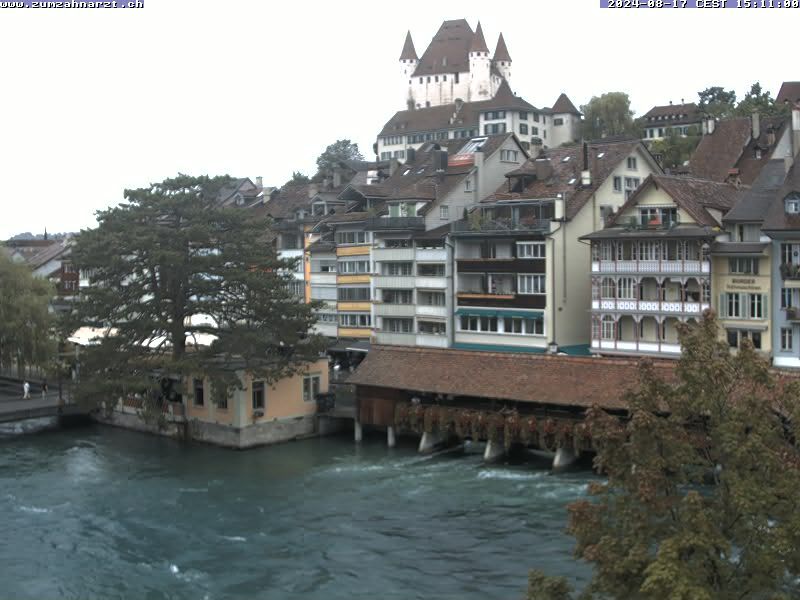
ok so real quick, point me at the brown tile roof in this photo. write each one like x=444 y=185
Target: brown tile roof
x=408 y=49
x=51 y=252
x=290 y=198
x=449 y=116
x=448 y=51
x=674 y=114
x=732 y=147
x=754 y=201
x=560 y=380
x=789 y=92
x=566 y=163
x=501 y=51
x=564 y=106
x=717 y=153
x=695 y=196
x=478 y=42
x=777 y=218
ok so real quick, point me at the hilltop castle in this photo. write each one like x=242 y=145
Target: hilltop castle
x=456 y=65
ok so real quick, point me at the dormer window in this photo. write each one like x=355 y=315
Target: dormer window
x=793 y=203
x=757 y=153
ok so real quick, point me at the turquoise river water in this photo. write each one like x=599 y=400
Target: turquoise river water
x=106 y=513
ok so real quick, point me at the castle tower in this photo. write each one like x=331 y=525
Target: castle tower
x=479 y=68
x=408 y=64
x=502 y=59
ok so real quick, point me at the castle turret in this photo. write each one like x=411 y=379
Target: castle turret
x=408 y=64
x=502 y=59
x=479 y=67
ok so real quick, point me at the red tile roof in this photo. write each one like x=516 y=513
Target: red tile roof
x=718 y=152
x=674 y=114
x=789 y=92
x=545 y=379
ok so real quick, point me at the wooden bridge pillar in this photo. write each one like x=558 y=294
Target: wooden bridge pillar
x=391 y=440
x=495 y=451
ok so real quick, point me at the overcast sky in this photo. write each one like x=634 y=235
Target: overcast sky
x=96 y=101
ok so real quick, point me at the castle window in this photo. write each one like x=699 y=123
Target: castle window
x=420 y=79
x=444 y=77
x=523 y=115
x=557 y=122
x=429 y=79
x=436 y=79
x=793 y=203
x=456 y=75
x=536 y=117
x=427 y=104
x=523 y=128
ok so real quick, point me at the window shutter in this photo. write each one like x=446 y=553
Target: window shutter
x=764 y=305
x=723 y=309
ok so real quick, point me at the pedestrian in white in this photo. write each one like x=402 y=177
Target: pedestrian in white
x=26 y=391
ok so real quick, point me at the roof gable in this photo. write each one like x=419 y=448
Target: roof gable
x=564 y=106
x=448 y=50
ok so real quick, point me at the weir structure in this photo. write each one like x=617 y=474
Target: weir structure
x=536 y=401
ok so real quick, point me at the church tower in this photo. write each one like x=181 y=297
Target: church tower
x=502 y=59
x=408 y=64
x=479 y=68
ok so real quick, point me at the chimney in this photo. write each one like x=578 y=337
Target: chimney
x=411 y=156
x=482 y=180
x=558 y=207
x=770 y=136
x=313 y=188
x=543 y=168
x=586 y=174
x=755 y=120
x=393 y=165
x=441 y=161
x=260 y=182
x=795 y=129
x=711 y=124
x=337 y=178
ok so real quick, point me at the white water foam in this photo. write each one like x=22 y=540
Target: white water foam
x=34 y=509
x=510 y=475
x=193 y=490
x=234 y=538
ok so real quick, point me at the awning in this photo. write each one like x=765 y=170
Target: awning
x=350 y=346
x=498 y=312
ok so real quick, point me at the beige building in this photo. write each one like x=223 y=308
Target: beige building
x=259 y=413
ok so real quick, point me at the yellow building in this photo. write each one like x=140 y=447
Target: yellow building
x=258 y=413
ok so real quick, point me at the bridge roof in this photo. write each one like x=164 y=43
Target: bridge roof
x=537 y=378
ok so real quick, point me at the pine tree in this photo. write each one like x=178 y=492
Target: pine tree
x=701 y=500
x=169 y=267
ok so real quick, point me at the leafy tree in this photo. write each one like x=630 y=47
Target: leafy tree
x=717 y=102
x=170 y=265
x=339 y=150
x=608 y=115
x=299 y=177
x=701 y=498
x=758 y=100
x=26 y=334
x=676 y=149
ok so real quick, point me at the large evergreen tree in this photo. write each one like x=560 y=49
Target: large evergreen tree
x=701 y=500
x=26 y=335
x=170 y=267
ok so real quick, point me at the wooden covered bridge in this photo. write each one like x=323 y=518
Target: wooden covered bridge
x=537 y=400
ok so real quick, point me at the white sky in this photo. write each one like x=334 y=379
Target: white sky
x=96 y=101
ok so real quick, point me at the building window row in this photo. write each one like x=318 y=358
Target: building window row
x=743 y=306
x=351 y=294
x=647 y=250
x=355 y=320
x=354 y=266
x=511 y=325
x=530 y=249
x=353 y=237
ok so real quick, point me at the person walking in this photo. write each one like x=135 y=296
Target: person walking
x=44 y=388
x=26 y=391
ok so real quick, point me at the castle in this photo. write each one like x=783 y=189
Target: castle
x=456 y=65
x=458 y=90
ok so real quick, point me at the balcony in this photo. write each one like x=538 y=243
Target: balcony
x=650 y=306
x=790 y=271
x=394 y=310
x=395 y=339
x=429 y=310
x=393 y=282
x=500 y=226
x=395 y=223
x=502 y=300
x=697 y=267
x=431 y=340
x=640 y=347
x=388 y=254
x=501 y=265
x=430 y=283
x=431 y=254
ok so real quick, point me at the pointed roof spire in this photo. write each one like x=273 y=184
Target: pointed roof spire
x=564 y=106
x=478 y=41
x=501 y=52
x=408 y=49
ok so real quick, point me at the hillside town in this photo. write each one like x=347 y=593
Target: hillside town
x=513 y=324
x=489 y=225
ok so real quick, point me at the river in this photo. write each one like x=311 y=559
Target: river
x=106 y=513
